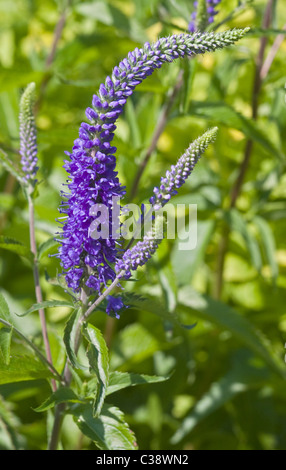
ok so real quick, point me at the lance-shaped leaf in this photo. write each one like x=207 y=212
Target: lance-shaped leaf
x=15 y=246
x=237 y=222
x=11 y=167
x=62 y=395
x=23 y=368
x=120 y=380
x=97 y=354
x=152 y=305
x=41 y=356
x=222 y=113
x=5 y=344
x=70 y=334
x=4 y=310
x=46 y=246
x=47 y=304
x=269 y=244
x=109 y=431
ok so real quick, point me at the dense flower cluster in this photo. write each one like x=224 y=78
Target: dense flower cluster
x=179 y=173
x=91 y=165
x=210 y=13
x=28 y=135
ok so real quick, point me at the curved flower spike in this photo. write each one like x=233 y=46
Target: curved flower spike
x=180 y=172
x=91 y=164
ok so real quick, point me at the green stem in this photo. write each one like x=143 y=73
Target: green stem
x=103 y=296
x=38 y=290
x=67 y=377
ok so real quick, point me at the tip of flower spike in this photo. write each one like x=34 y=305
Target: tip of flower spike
x=202 y=142
x=239 y=32
x=27 y=99
x=211 y=134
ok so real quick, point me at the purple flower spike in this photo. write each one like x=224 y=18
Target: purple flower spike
x=87 y=262
x=179 y=173
x=28 y=135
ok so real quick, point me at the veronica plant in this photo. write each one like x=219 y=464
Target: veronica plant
x=93 y=268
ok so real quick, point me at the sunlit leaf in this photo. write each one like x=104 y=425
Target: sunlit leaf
x=5 y=344
x=109 y=431
x=47 y=304
x=23 y=368
x=62 y=395
x=70 y=334
x=98 y=358
x=121 y=380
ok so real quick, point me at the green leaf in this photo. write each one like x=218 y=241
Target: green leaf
x=4 y=310
x=98 y=358
x=62 y=395
x=10 y=439
x=23 y=368
x=186 y=263
x=70 y=333
x=269 y=244
x=239 y=379
x=111 y=16
x=151 y=305
x=16 y=246
x=47 y=304
x=133 y=124
x=132 y=345
x=227 y=318
x=41 y=356
x=237 y=223
x=5 y=344
x=226 y=115
x=109 y=431
x=46 y=246
x=11 y=167
x=120 y=380
x=168 y=282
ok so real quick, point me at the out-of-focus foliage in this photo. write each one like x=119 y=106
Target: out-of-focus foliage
x=227 y=386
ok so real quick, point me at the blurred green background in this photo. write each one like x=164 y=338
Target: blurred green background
x=227 y=386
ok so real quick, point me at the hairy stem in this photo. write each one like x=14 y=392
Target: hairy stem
x=236 y=190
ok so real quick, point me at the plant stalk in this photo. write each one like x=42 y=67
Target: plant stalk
x=38 y=290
